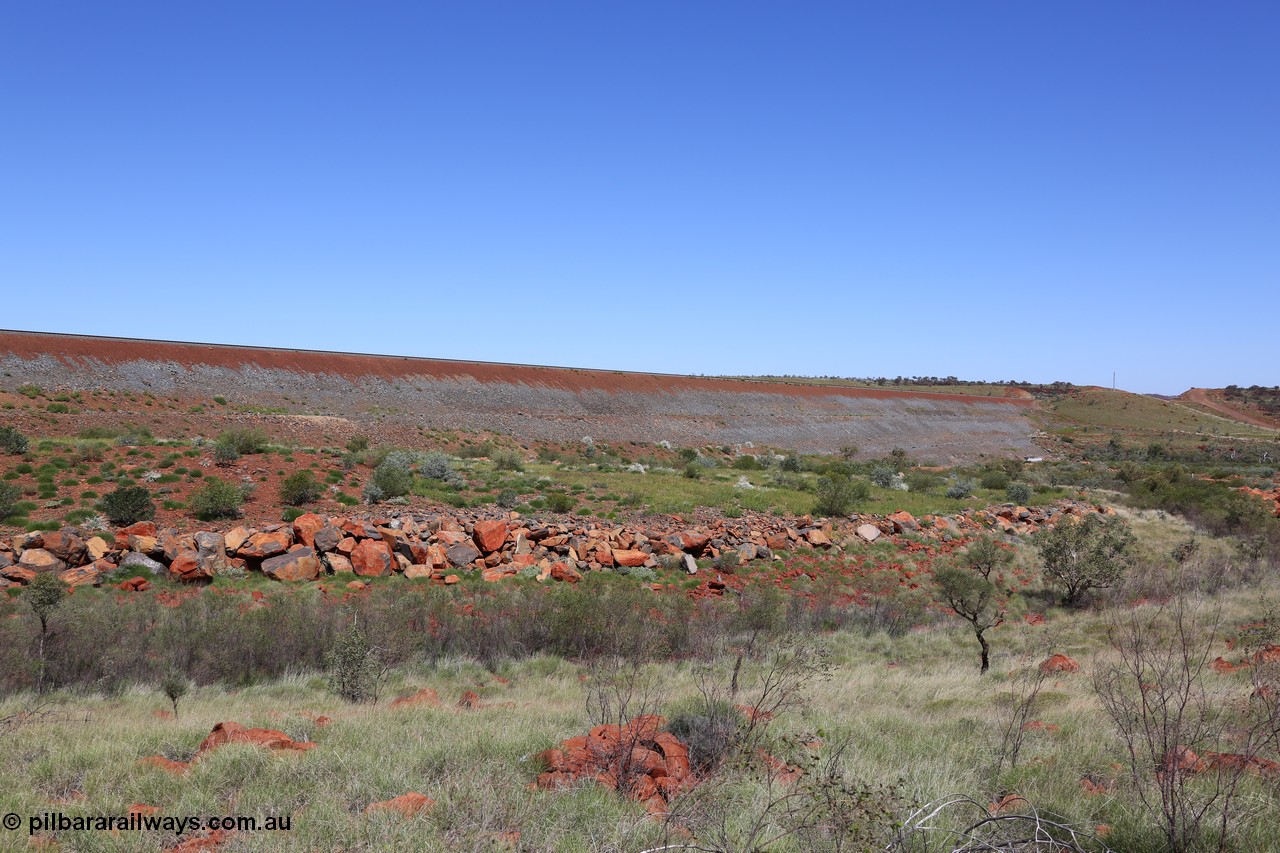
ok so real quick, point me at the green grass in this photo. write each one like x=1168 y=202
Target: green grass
x=913 y=710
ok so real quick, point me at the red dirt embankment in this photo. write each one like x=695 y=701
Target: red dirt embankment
x=1204 y=397
x=531 y=403
x=83 y=351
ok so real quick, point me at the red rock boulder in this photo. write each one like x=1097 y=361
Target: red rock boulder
x=371 y=558
x=490 y=535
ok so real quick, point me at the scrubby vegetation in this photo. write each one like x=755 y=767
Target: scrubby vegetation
x=826 y=695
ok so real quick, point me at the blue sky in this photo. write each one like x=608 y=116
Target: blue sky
x=989 y=190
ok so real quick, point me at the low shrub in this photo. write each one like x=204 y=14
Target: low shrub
x=391 y=479
x=12 y=441
x=507 y=460
x=244 y=439
x=9 y=497
x=560 y=502
x=436 y=466
x=225 y=454
x=1018 y=493
x=128 y=505
x=216 y=499
x=995 y=480
x=839 y=496
x=882 y=476
x=300 y=488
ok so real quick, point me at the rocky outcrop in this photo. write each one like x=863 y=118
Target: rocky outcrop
x=636 y=759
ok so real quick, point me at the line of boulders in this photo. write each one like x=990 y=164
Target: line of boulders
x=440 y=545
x=1005 y=519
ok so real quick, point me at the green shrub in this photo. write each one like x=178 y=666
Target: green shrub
x=358 y=444
x=225 y=453
x=882 y=476
x=215 y=499
x=507 y=460
x=354 y=667
x=995 y=480
x=1019 y=493
x=791 y=464
x=57 y=408
x=960 y=488
x=128 y=505
x=300 y=488
x=9 y=497
x=391 y=479
x=244 y=440
x=746 y=463
x=1085 y=555
x=507 y=498
x=12 y=441
x=436 y=466
x=693 y=471
x=839 y=496
x=30 y=391
x=560 y=502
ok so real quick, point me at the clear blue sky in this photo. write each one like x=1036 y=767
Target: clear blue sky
x=991 y=190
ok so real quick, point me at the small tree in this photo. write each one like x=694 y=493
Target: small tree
x=975 y=599
x=43 y=595
x=175 y=686
x=128 y=505
x=1085 y=555
x=987 y=557
x=849 y=452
